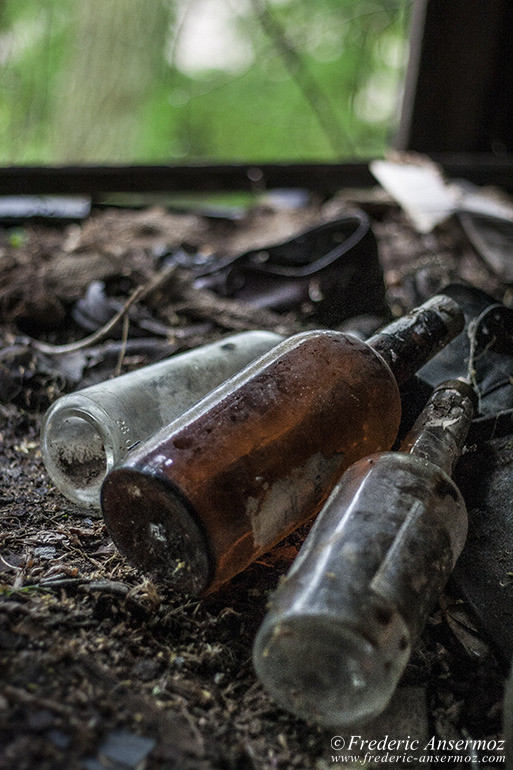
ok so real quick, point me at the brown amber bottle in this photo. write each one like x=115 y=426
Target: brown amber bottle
x=257 y=457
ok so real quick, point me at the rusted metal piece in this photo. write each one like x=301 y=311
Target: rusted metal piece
x=258 y=457
x=342 y=623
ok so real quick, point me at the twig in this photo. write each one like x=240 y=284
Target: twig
x=474 y=356
x=90 y=585
x=120 y=590
x=60 y=582
x=11 y=566
x=87 y=584
x=16 y=693
x=227 y=312
x=73 y=347
x=124 y=338
x=138 y=294
x=107 y=586
x=471 y=333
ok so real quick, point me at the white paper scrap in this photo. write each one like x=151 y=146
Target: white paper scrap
x=419 y=189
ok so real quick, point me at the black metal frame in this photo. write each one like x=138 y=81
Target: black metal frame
x=459 y=84
x=208 y=178
x=458 y=104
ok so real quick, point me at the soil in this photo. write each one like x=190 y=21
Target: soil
x=101 y=666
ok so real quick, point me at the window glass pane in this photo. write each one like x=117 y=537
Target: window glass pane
x=184 y=80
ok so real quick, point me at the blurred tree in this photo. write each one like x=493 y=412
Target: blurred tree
x=28 y=62
x=112 y=61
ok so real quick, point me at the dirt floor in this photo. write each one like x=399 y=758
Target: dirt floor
x=100 y=667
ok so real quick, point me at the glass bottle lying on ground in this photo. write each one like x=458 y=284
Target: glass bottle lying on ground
x=86 y=433
x=257 y=457
x=342 y=623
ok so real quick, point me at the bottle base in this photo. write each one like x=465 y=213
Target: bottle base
x=150 y=521
x=323 y=671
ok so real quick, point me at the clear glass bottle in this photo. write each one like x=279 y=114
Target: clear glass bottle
x=255 y=459
x=342 y=623
x=86 y=433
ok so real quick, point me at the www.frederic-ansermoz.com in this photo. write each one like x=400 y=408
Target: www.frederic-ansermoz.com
x=357 y=751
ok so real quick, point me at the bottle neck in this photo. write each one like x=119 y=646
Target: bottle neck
x=440 y=431
x=407 y=344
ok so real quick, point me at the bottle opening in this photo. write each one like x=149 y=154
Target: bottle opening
x=79 y=453
x=76 y=458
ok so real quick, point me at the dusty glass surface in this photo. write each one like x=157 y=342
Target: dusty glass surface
x=343 y=622
x=87 y=433
x=260 y=455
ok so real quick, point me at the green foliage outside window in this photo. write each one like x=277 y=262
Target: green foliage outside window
x=185 y=80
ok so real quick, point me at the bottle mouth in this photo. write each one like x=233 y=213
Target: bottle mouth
x=76 y=454
x=325 y=671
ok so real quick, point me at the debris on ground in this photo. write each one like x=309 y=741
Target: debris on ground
x=100 y=667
